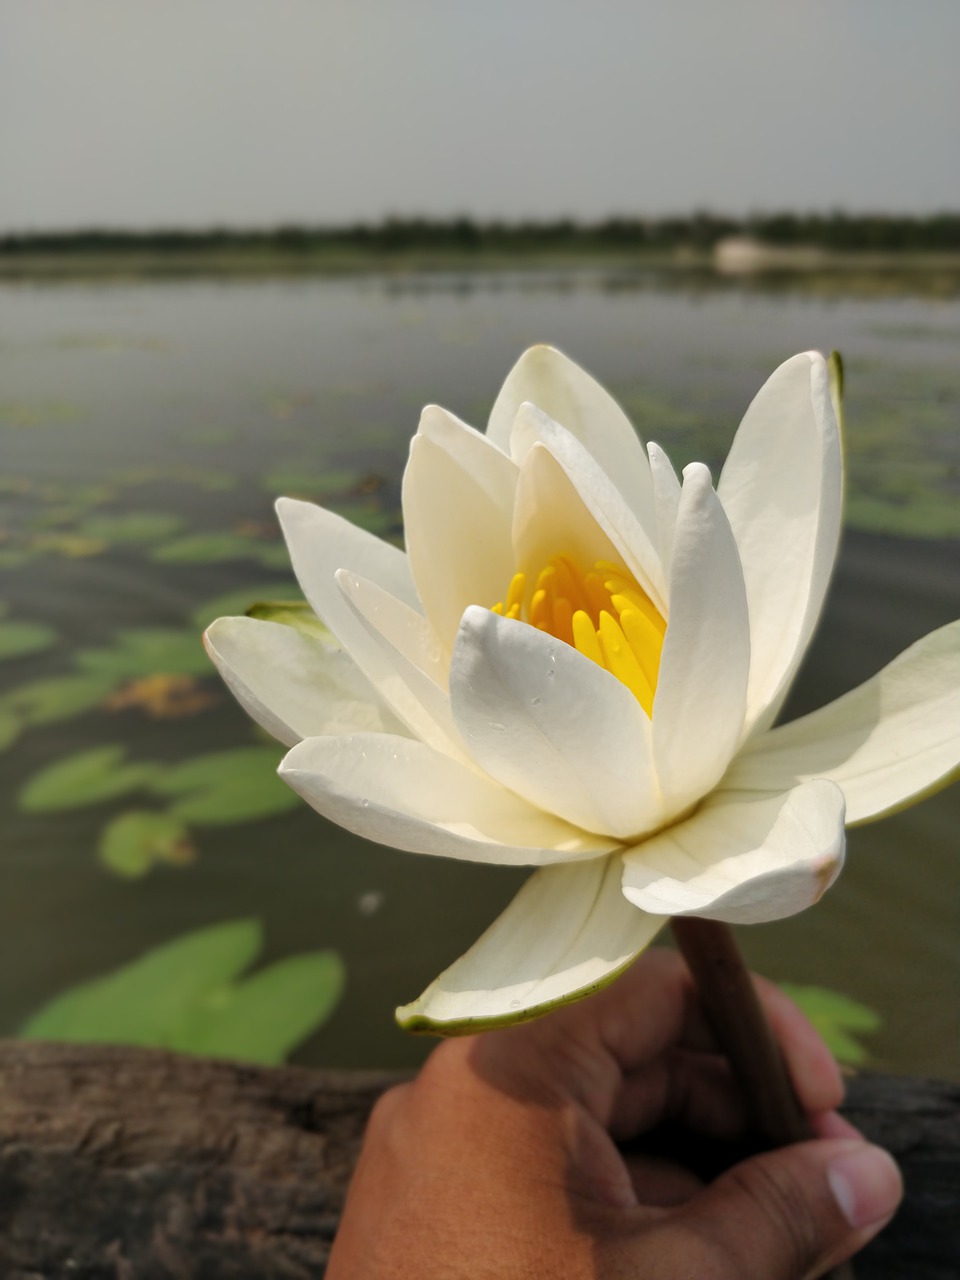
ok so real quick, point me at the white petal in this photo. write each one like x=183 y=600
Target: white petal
x=403 y=793
x=417 y=687
x=457 y=531
x=320 y=543
x=666 y=493
x=571 y=397
x=293 y=685
x=567 y=933
x=550 y=518
x=743 y=861
x=701 y=691
x=891 y=740
x=599 y=494
x=781 y=489
x=553 y=726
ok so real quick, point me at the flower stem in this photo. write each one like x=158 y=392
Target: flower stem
x=737 y=1019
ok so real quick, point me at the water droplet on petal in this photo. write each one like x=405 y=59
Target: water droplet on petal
x=514 y=1004
x=535 y=702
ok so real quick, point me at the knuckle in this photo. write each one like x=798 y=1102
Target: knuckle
x=785 y=1209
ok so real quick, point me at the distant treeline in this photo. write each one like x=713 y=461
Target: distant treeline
x=837 y=231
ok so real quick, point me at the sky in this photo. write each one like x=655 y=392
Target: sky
x=147 y=113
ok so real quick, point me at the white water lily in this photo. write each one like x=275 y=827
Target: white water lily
x=576 y=665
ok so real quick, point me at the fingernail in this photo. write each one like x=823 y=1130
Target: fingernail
x=866 y=1184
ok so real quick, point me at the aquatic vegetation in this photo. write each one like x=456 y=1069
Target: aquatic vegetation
x=188 y=995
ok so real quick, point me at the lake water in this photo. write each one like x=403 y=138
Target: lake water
x=195 y=403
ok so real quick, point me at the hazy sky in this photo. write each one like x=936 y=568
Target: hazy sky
x=192 y=112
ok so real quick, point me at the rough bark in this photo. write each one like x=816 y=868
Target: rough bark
x=128 y=1164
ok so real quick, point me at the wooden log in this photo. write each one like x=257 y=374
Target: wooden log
x=132 y=1164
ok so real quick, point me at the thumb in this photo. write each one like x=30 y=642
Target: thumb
x=792 y=1214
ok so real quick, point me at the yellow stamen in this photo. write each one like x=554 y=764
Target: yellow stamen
x=620 y=659
x=585 y=638
x=602 y=612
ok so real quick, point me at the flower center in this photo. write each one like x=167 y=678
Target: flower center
x=603 y=612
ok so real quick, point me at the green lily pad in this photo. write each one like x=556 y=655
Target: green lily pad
x=138 y=526
x=146 y=1002
x=145 y=652
x=10 y=728
x=185 y=996
x=208 y=548
x=264 y=1018
x=838 y=1019
x=84 y=779
x=20 y=638
x=226 y=786
x=274 y=555
x=292 y=613
x=56 y=698
x=14 y=413
x=15 y=557
x=297 y=481
x=239 y=602
x=132 y=842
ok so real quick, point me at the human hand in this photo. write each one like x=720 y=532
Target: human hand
x=501 y=1158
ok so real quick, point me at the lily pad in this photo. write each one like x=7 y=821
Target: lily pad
x=264 y=1018
x=138 y=526
x=147 y=651
x=163 y=696
x=296 y=480
x=132 y=842
x=146 y=1002
x=84 y=779
x=226 y=786
x=185 y=996
x=10 y=727
x=239 y=602
x=15 y=557
x=207 y=548
x=56 y=698
x=838 y=1019
x=20 y=638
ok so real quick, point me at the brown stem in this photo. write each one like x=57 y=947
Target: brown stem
x=737 y=1019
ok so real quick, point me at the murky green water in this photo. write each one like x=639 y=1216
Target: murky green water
x=191 y=405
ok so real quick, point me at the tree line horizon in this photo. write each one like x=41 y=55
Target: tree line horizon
x=836 y=230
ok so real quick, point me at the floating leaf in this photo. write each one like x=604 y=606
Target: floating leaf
x=14 y=557
x=292 y=613
x=75 y=546
x=10 y=727
x=184 y=996
x=227 y=786
x=132 y=842
x=87 y=778
x=297 y=481
x=238 y=602
x=41 y=413
x=274 y=556
x=147 y=651
x=208 y=548
x=20 y=638
x=165 y=697
x=56 y=698
x=138 y=526
x=836 y=1017
x=264 y=1018
x=148 y=1001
